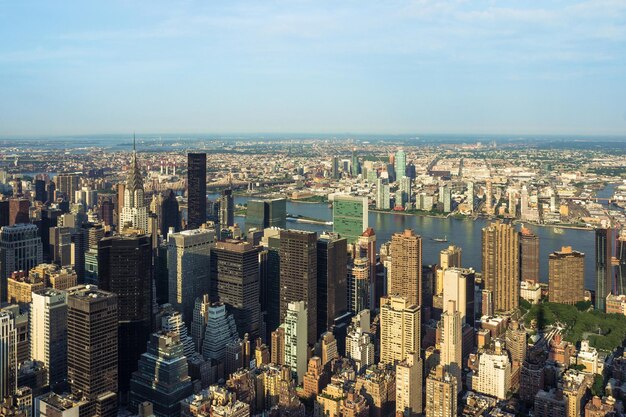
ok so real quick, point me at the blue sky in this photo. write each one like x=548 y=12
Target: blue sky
x=421 y=66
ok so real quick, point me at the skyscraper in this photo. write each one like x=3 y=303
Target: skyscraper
x=470 y=196
x=196 y=190
x=199 y=322
x=400 y=164
x=621 y=268
x=220 y=331
x=170 y=214
x=331 y=280
x=8 y=355
x=382 y=194
x=458 y=286
x=452 y=339
x=409 y=385
x=335 y=168
x=566 y=276
x=350 y=216
x=262 y=214
x=405 y=277
x=227 y=208
x=188 y=265
x=19 y=210
x=298 y=275
x=235 y=282
x=163 y=376
x=134 y=211
x=296 y=338
x=400 y=323
x=449 y=257
x=67 y=184
x=529 y=255
x=48 y=333
x=500 y=259
x=91 y=341
x=358 y=285
x=20 y=250
x=605 y=241
x=441 y=394
x=125 y=268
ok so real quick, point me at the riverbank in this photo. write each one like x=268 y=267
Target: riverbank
x=413 y=213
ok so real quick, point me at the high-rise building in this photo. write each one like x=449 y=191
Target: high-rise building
x=566 y=276
x=235 y=282
x=366 y=248
x=298 y=275
x=605 y=247
x=196 y=190
x=170 y=214
x=67 y=184
x=470 y=196
x=400 y=164
x=134 y=212
x=40 y=191
x=400 y=323
x=358 y=285
x=494 y=373
x=227 y=209
x=60 y=248
x=458 y=286
x=220 y=331
x=449 y=257
x=125 y=268
x=335 y=168
x=163 y=376
x=19 y=210
x=277 y=345
x=441 y=394
x=21 y=324
x=332 y=254
x=500 y=259
x=350 y=216
x=296 y=338
x=262 y=214
x=405 y=277
x=200 y=320
x=188 y=265
x=172 y=322
x=446 y=199
x=621 y=266
x=405 y=192
x=382 y=194
x=48 y=333
x=8 y=355
x=359 y=342
x=20 y=250
x=529 y=255
x=409 y=385
x=452 y=341
x=92 y=321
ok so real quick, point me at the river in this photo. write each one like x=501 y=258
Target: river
x=465 y=233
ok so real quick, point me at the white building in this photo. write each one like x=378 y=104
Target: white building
x=135 y=210
x=494 y=373
x=409 y=385
x=452 y=342
x=48 y=332
x=359 y=343
x=530 y=291
x=296 y=339
x=382 y=194
x=8 y=355
x=188 y=265
x=455 y=288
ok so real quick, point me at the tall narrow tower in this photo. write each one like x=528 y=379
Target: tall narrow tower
x=500 y=247
x=406 y=266
x=135 y=210
x=196 y=190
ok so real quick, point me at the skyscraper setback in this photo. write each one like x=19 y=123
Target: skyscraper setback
x=196 y=190
x=500 y=259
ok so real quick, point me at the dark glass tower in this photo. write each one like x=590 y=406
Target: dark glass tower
x=125 y=268
x=262 y=214
x=40 y=191
x=621 y=267
x=170 y=214
x=196 y=190
x=235 y=282
x=227 y=208
x=332 y=259
x=605 y=247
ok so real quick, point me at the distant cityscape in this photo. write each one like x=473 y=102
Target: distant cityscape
x=303 y=276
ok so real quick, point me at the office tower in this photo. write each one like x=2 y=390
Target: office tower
x=199 y=321
x=170 y=214
x=447 y=199
x=621 y=264
x=405 y=277
x=48 y=330
x=277 y=345
x=350 y=216
x=21 y=326
x=332 y=254
x=134 y=211
x=92 y=320
x=67 y=184
x=156 y=207
x=298 y=275
x=107 y=208
x=409 y=385
x=399 y=329
x=50 y=191
x=335 y=168
x=172 y=322
x=358 y=285
x=500 y=259
x=470 y=196
x=20 y=286
x=163 y=376
x=366 y=248
x=19 y=211
x=61 y=245
x=494 y=373
x=452 y=340
x=382 y=194
x=227 y=209
x=188 y=265
x=20 y=250
x=406 y=193
x=566 y=276
x=8 y=355
x=359 y=342
x=448 y=258
x=4 y=213
x=400 y=164
x=354 y=164
x=125 y=268
x=220 y=331
x=196 y=190
x=512 y=205
x=262 y=214
x=441 y=394
x=458 y=286
x=529 y=255
x=604 y=245
x=235 y=282
x=119 y=204
x=296 y=338
x=40 y=191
